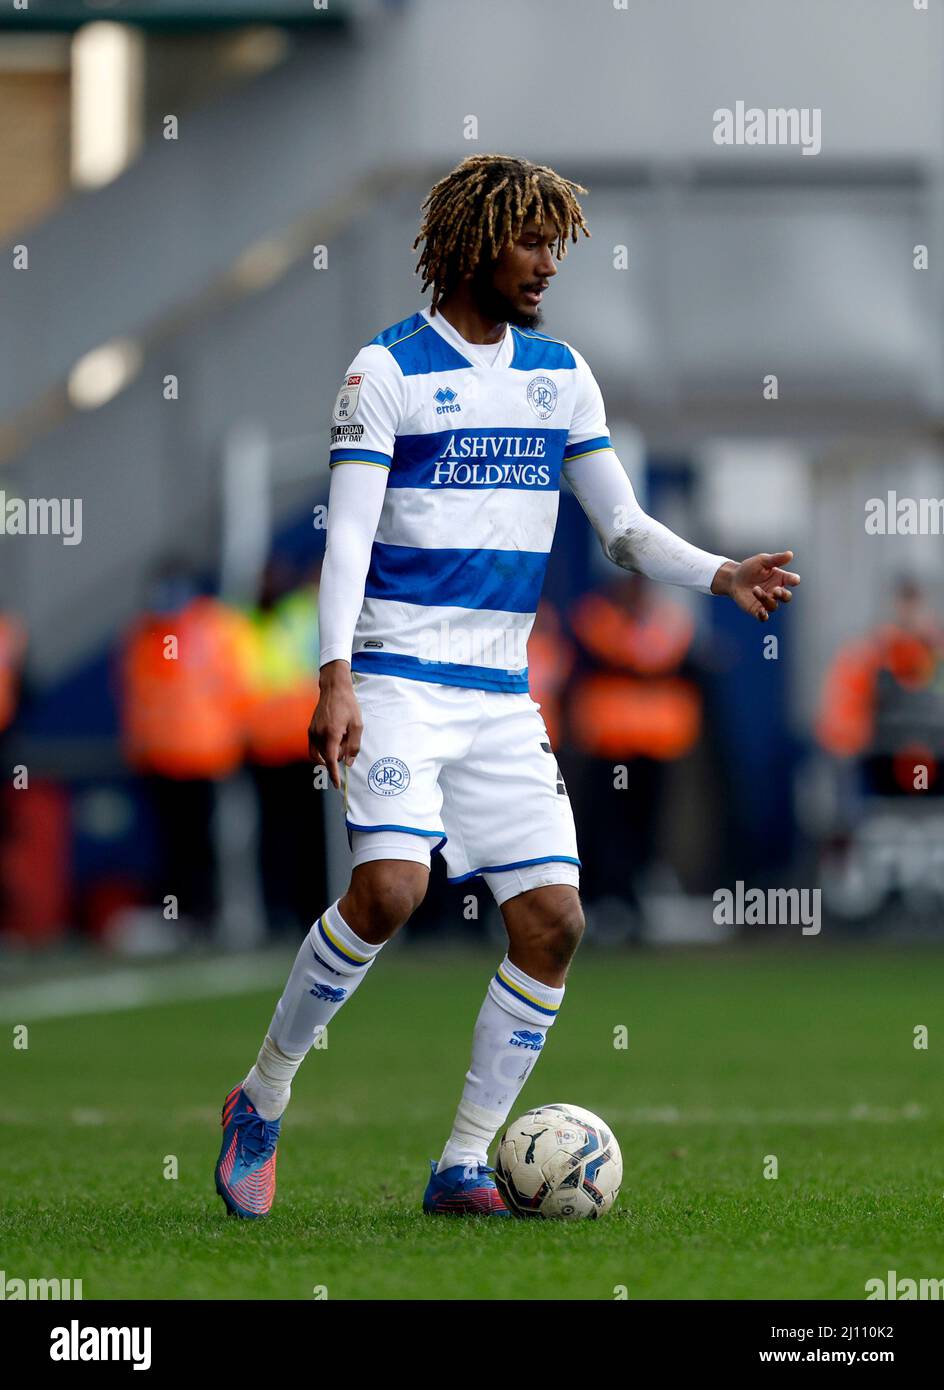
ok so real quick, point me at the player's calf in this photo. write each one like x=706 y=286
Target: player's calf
x=523 y=999
x=331 y=963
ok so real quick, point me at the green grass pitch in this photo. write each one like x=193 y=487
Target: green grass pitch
x=732 y=1056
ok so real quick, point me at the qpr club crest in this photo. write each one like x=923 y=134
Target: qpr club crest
x=388 y=777
x=542 y=396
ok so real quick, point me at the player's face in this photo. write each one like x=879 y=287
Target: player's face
x=515 y=288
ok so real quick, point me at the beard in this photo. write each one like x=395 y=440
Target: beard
x=494 y=305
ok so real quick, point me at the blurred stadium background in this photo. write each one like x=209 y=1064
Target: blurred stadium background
x=206 y=208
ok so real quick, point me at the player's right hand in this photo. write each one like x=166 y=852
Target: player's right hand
x=334 y=734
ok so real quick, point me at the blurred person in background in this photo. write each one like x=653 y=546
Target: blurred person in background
x=633 y=704
x=284 y=693
x=550 y=662
x=883 y=698
x=185 y=689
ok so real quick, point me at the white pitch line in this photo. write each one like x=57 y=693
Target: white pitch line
x=704 y=1115
x=141 y=988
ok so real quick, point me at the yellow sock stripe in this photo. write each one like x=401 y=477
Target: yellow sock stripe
x=523 y=994
x=344 y=951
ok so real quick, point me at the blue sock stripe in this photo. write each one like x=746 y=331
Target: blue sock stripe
x=550 y=1009
x=338 y=949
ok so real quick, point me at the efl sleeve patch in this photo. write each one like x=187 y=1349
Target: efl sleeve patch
x=348 y=396
x=369 y=407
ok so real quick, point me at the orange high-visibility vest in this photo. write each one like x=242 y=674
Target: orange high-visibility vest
x=285 y=688
x=638 y=706
x=550 y=661
x=617 y=716
x=653 y=643
x=186 y=690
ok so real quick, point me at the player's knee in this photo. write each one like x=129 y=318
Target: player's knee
x=401 y=896
x=548 y=926
x=383 y=896
x=562 y=933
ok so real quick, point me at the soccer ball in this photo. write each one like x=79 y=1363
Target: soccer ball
x=559 y=1161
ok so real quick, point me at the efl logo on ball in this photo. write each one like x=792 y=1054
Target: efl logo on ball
x=388 y=777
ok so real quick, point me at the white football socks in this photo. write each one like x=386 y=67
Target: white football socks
x=509 y=1035
x=269 y=1083
x=330 y=964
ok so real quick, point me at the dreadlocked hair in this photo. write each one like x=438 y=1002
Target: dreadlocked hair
x=481 y=207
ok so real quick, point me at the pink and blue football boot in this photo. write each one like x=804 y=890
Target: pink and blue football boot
x=245 y=1169
x=463 y=1191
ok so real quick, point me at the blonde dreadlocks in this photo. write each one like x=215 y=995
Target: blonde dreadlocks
x=481 y=207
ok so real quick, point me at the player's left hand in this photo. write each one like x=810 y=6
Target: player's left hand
x=758 y=584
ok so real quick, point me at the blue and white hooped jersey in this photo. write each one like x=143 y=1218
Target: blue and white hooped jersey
x=474 y=451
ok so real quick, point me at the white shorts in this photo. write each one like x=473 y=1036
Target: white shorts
x=468 y=773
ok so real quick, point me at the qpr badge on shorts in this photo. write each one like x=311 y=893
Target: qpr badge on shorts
x=542 y=396
x=346 y=403
x=388 y=777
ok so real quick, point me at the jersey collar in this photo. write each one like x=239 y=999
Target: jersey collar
x=469 y=350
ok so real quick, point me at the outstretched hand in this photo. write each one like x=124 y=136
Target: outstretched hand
x=758 y=584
